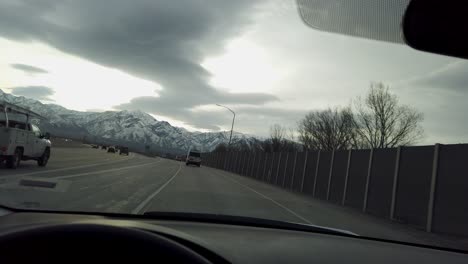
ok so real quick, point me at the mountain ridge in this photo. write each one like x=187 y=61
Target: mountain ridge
x=134 y=128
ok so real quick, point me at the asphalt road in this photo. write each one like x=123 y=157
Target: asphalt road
x=85 y=179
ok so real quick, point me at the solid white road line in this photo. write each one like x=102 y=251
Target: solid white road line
x=143 y=204
x=103 y=171
x=269 y=199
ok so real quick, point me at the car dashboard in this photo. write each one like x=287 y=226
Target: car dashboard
x=93 y=236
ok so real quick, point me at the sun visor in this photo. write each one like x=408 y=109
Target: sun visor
x=434 y=26
x=372 y=19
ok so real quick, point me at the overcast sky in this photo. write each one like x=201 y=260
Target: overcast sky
x=177 y=59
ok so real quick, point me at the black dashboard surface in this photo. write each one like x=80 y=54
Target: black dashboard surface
x=244 y=244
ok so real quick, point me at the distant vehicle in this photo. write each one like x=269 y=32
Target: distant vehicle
x=193 y=157
x=95 y=146
x=124 y=150
x=111 y=150
x=21 y=140
x=180 y=158
x=104 y=147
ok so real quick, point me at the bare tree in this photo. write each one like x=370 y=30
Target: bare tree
x=281 y=139
x=383 y=123
x=277 y=136
x=328 y=129
x=290 y=135
x=289 y=143
x=221 y=147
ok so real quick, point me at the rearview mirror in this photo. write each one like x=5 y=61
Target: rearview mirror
x=437 y=26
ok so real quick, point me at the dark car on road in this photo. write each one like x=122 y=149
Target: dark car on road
x=111 y=150
x=124 y=151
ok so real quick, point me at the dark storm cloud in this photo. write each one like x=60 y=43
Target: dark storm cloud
x=198 y=119
x=164 y=41
x=249 y=118
x=27 y=68
x=35 y=92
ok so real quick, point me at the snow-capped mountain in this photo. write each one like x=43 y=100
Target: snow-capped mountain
x=134 y=128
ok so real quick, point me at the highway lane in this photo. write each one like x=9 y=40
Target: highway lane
x=204 y=190
x=88 y=179
x=66 y=158
x=209 y=190
x=99 y=181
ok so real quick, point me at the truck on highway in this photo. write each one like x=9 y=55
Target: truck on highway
x=193 y=157
x=124 y=151
x=20 y=139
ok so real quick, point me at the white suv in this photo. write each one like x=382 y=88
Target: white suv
x=19 y=139
x=193 y=157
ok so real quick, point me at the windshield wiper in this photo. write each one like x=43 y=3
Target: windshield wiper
x=206 y=218
x=246 y=221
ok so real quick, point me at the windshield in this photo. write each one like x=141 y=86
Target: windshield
x=297 y=118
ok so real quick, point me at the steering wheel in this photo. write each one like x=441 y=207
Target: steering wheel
x=90 y=242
